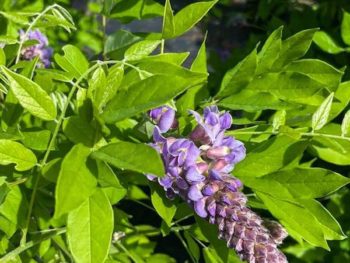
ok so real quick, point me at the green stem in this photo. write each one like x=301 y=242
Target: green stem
x=306 y=134
x=32 y=24
x=11 y=255
x=51 y=144
x=185 y=246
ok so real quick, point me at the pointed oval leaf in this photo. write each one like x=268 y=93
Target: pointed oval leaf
x=75 y=182
x=345 y=125
x=238 y=77
x=165 y=208
x=144 y=95
x=187 y=17
x=141 y=49
x=136 y=157
x=320 y=117
x=14 y=152
x=168 y=30
x=345 y=28
x=31 y=96
x=326 y=43
x=90 y=229
x=294 y=47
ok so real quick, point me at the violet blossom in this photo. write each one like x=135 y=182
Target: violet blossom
x=41 y=49
x=198 y=170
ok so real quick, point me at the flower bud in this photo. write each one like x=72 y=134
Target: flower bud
x=163 y=117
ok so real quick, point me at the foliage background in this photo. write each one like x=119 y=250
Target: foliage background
x=233 y=29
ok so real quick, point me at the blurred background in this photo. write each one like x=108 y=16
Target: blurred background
x=233 y=28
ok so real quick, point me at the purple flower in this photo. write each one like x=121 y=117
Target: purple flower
x=163 y=117
x=40 y=49
x=199 y=174
x=180 y=153
x=211 y=126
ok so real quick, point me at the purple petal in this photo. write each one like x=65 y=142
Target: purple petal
x=199 y=208
x=194 y=193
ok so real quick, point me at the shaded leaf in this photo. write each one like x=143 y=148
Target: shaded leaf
x=164 y=207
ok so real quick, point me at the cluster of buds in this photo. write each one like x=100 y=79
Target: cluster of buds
x=41 y=49
x=198 y=170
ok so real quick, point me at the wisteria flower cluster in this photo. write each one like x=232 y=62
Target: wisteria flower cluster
x=198 y=170
x=41 y=49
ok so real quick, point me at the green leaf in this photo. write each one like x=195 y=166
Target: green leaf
x=90 y=229
x=250 y=100
x=345 y=28
x=129 y=10
x=160 y=258
x=2 y=57
x=119 y=41
x=331 y=228
x=270 y=51
x=165 y=208
x=192 y=245
x=345 y=125
x=317 y=70
x=171 y=58
x=298 y=183
x=73 y=61
x=79 y=130
x=131 y=156
x=331 y=150
x=210 y=255
x=294 y=216
x=36 y=140
x=199 y=64
x=14 y=152
x=14 y=210
x=168 y=29
x=238 y=77
x=279 y=119
x=139 y=97
x=269 y=157
x=320 y=117
x=4 y=189
x=72 y=191
x=31 y=96
x=290 y=87
x=294 y=47
x=141 y=49
x=55 y=20
x=326 y=43
x=187 y=17
x=193 y=96
x=55 y=74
